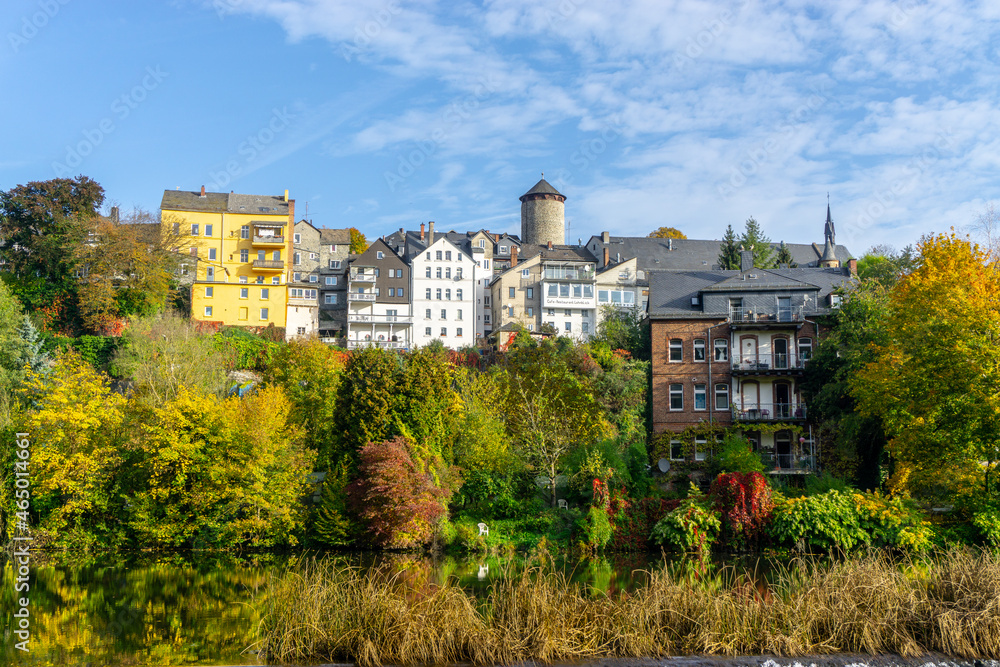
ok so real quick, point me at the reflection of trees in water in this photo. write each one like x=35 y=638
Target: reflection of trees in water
x=157 y=609
x=161 y=613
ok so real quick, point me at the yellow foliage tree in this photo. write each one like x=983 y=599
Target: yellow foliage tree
x=77 y=425
x=222 y=473
x=936 y=382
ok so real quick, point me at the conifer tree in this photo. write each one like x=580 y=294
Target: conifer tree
x=729 y=255
x=785 y=257
x=753 y=238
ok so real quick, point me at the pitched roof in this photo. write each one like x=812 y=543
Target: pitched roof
x=259 y=204
x=671 y=291
x=542 y=187
x=693 y=254
x=183 y=200
x=335 y=236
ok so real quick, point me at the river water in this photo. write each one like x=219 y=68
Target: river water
x=166 y=609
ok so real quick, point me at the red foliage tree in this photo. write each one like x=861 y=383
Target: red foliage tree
x=746 y=505
x=398 y=501
x=634 y=521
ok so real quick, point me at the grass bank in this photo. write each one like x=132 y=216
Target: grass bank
x=868 y=604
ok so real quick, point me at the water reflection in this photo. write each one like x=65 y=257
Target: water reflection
x=177 y=610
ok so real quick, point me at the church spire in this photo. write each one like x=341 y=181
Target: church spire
x=829 y=257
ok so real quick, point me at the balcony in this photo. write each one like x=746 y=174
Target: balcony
x=767 y=364
x=268 y=265
x=358 y=296
x=783 y=317
x=362 y=277
x=267 y=241
x=384 y=344
x=770 y=412
x=379 y=319
x=788 y=463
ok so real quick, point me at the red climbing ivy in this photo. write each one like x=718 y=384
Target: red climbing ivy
x=745 y=501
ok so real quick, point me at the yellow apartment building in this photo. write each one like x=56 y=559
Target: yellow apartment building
x=240 y=248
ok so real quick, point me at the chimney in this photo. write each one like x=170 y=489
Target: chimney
x=670 y=244
x=114 y=214
x=291 y=213
x=852 y=266
x=203 y=191
x=550 y=245
x=607 y=257
x=496 y=238
x=286 y=196
x=421 y=231
x=605 y=237
x=746 y=259
x=430 y=233
x=513 y=256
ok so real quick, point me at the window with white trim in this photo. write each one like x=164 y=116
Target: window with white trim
x=722 y=396
x=676 y=397
x=676 y=350
x=699 y=349
x=700 y=397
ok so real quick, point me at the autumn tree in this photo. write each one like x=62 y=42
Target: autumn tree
x=667 y=233
x=220 y=473
x=397 y=499
x=936 y=381
x=358 y=242
x=81 y=427
x=729 y=251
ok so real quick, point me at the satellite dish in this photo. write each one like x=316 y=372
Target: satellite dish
x=663 y=465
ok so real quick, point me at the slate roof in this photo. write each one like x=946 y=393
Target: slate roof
x=219 y=202
x=691 y=254
x=542 y=187
x=260 y=204
x=182 y=200
x=671 y=291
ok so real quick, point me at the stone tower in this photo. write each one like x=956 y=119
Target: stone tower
x=543 y=215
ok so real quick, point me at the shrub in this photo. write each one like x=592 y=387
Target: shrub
x=634 y=521
x=396 y=498
x=987 y=521
x=597 y=527
x=736 y=455
x=895 y=522
x=826 y=521
x=744 y=499
x=693 y=526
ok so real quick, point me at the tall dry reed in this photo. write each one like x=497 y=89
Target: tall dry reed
x=870 y=604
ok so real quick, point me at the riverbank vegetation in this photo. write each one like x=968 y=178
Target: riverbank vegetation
x=868 y=604
x=149 y=430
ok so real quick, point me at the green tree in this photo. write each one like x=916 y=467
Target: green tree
x=753 y=239
x=41 y=224
x=429 y=408
x=366 y=402
x=550 y=410
x=624 y=329
x=729 y=251
x=667 y=233
x=853 y=443
x=935 y=382
x=886 y=266
x=163 y=353
x=358 y=242
x=309 y=371
x=785 y=257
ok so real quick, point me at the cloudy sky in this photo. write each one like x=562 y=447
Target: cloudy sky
x=387 y=113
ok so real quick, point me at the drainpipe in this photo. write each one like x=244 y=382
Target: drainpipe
x=812 y=443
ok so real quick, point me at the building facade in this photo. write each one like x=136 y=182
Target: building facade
x=379 y=311
x=240 y=246
x=729 y=348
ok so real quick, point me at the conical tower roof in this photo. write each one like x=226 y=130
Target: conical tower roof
x=542 y=187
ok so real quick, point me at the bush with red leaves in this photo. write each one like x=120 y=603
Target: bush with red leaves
x=746 y=505
x=397 y=500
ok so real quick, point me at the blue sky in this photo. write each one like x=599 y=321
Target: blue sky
x=384 y=114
